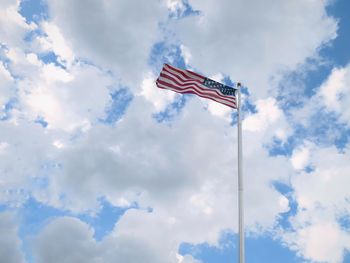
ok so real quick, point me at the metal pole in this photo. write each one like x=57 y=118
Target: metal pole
x=240 y=179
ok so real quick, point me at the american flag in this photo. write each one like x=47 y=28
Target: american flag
x=186 y=81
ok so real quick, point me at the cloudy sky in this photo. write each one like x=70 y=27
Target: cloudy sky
x=98 y=165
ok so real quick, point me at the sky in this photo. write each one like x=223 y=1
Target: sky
x=99 y=165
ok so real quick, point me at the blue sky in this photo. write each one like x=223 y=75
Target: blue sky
x=98 y=165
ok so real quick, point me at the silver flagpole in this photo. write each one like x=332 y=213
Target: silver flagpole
x=240 y=178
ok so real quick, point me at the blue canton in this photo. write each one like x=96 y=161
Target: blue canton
x=225 y=90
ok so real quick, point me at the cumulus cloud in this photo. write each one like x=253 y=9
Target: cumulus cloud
x=268 y=112
x=19 y=166
x=117 y=35
x=129 y=242
x=322 y=196
x=335 y=93
x=157 y=97
x=13 y=26
x=7 y=87
x=175 y=5
x=318 y=230
x=148 y=167
x=65 y=98
x=54 y=41
x=261 y=169
x=330 y=177
x=300 y=157
x=185 y=169
x=57 y=101
x=253 y=41
x=66 y=240
x=321 y=242
x=10 y=251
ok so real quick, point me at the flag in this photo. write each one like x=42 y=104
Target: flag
x=186 y=81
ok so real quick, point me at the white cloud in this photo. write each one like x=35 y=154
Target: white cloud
x=186 y=54
x=322 y=196
x=8 y=3
x=10 y=251
x=335 y=93
x=65 y=98
x=55 y=96
x=175 y=5
x=331 y=90
x=330 y=175
x=129 y=242
x=19 y=167
x=149 y=166
x=325 y=113
x=300 y=157
x=187 y=259
x=54 y=244
x=268 y=112
x=254 y=45
x=159 y=98
x=185 y=170
x=7 y=87
x=114 y=34
x=54 y=41
x=321 y=242
x=13 y=25
x=219 y=110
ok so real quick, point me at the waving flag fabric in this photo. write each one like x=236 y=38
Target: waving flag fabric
x=185 y=81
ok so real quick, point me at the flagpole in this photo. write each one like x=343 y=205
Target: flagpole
x=240 y=178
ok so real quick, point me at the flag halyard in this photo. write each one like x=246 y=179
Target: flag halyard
x=189 y=82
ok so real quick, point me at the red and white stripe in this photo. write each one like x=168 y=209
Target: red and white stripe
x=185 y=81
